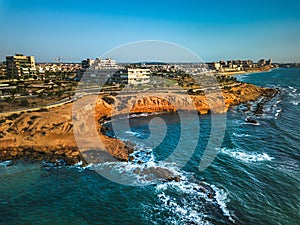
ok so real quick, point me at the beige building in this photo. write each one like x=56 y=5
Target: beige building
x=138 y=76
x=20 y=66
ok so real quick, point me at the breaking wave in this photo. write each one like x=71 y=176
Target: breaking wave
x=246 y=157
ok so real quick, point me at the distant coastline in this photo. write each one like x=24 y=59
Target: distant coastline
x=249 y=71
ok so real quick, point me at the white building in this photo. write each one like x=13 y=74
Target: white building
x=94 y=70
x=132 y=76
x=138 y=76
x=107 y=63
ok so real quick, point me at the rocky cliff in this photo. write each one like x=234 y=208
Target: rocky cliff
x=49 y=134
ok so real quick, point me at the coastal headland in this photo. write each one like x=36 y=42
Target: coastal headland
x=47 y=134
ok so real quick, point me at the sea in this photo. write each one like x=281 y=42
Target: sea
x=254 y=177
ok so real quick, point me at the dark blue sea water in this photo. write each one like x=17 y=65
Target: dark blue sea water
x=255 y=176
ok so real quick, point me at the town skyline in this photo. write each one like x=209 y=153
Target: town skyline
x=60 y=59
x=72 y=30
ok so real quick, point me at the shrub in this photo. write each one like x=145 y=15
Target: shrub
x=2 y=121
x=34 y=117
x=13 y=116
x=42 y=110
x=24 y=102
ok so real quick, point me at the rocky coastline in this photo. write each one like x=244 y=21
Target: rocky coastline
x=47 y=135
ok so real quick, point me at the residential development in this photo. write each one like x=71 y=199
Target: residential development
x=26 y=84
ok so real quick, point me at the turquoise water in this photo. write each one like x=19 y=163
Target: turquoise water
x=255 y=176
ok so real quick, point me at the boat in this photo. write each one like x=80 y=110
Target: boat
x=251 y=121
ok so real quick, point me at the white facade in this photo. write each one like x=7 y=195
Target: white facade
x=107 y=63
x=138 y=76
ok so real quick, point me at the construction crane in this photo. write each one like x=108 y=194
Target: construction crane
x=57 y=59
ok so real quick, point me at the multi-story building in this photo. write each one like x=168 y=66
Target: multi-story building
x=216 y=65
x=20 y=66
x=99 y=63
x=86 y=63
x=138 y=76
x=2 y=70
x=261 y=62
x=95 y=68
x=107 y=63
x=132 y=76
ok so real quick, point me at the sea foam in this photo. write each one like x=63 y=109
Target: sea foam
x=191 y=208
x=245 y=156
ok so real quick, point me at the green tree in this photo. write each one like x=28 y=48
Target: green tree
x=10 y=101
x=24 y=102
x=41 y=96
x=50 y=94
x=59 y=94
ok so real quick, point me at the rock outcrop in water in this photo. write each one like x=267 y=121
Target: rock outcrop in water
x=49 y=134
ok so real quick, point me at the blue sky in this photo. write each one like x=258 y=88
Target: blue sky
x=214 y=30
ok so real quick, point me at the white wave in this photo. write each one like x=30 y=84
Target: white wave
x=246 y=157
x=139 y=115
x=142 y=170
x=6 y=163
x=241 y=135
x=278 y=111
x=275 y=105
x=185 y=210
x=242 y=77
x=188 y=210
x=132 y=133
x=295 y=103
x=222 y=198
x=181 y=200
x=181 y=213
x=253 y=124
x=144 y=114
x=145 y=156
x=293 y=95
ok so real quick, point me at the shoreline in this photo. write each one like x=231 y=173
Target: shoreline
x=48 y=134
x=234 y=73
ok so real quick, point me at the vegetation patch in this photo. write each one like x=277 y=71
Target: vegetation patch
x=13 y=116
x=34 y=117
x=2 y=121
x=42 y=110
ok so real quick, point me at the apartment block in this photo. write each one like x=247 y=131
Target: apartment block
x=20 y=66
